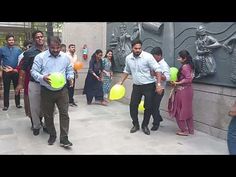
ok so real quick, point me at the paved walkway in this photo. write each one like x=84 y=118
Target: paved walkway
x=97 y=129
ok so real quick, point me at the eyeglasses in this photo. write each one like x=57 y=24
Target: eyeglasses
x=37 y=37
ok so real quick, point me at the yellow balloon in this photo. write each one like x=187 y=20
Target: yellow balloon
x=173 y=73
x=141 y=106
x=57 y=80
x=117 y=92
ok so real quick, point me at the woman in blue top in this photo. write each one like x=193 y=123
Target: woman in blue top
x=108 y=63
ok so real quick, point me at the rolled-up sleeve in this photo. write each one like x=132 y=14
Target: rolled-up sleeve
x=127 y=67
x=37 y=68
x=166 y=72
x=154 y=65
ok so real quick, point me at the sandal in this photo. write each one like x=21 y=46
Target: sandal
x=103 y=103
x=182 y=133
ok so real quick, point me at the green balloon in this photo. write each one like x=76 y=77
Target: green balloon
x=173 y=73
x=57 y=80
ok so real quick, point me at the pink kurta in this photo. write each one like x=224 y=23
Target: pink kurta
x=181 y=107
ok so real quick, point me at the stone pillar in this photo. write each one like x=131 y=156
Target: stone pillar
x=169 y=42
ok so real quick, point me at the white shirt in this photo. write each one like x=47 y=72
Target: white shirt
x=73 y=58
x=140 y=67
x=165 y=69
x=20 y=57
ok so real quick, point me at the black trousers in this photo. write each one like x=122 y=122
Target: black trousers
x=71 y=90
x=146 y=90
x=7 y=78
x=156 y=108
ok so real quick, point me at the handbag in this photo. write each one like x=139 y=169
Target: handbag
x=232 y=111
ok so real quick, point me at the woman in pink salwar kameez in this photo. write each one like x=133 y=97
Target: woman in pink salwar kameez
x=180 y=102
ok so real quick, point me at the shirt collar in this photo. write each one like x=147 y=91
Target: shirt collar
x=140 y=56
x=10 y=47
x=70 y=54
x=161 y=60
x=50 y=55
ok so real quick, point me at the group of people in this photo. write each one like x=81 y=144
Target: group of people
x=150 y=74
x=31 y=70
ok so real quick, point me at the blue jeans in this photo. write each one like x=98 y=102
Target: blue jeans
x=231 y=140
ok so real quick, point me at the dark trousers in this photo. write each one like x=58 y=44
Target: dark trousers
x=71 y=90
x=156 y=108
x=7 y=78
x=138 y=91
x=49 y=99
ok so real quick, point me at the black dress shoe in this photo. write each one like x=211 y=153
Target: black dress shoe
x=65 y=143
x=36 y=132
x=155 y=127
x=134 y=129
x=161 y=119
x=45 y=130
x=146 y=130
x=19 y=106
x=5 y=108
x=51 y=140
x=74 y=104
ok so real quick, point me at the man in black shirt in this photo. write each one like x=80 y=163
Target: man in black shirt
x=34 y=86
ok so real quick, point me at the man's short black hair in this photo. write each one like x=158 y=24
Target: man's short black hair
x=27 y=42
x=71 y=45
x=9 y=35
x=63 y=45
x=156 y=51
x=137 y=41
x=35 y=32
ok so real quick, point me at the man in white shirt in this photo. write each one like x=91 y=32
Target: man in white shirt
x=139 y=64
x=165 y=76
x=73 y=59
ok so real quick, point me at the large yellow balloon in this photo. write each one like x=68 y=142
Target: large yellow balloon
x=57 y=80
x=117 y=92
x=141 y=106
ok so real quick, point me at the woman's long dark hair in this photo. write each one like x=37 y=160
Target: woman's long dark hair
x=93 y=60
x=189 y=60
x=93 y=57
x=112 y=58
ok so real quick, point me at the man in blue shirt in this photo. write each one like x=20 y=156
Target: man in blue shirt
x=9 y=59
x=46 y=63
